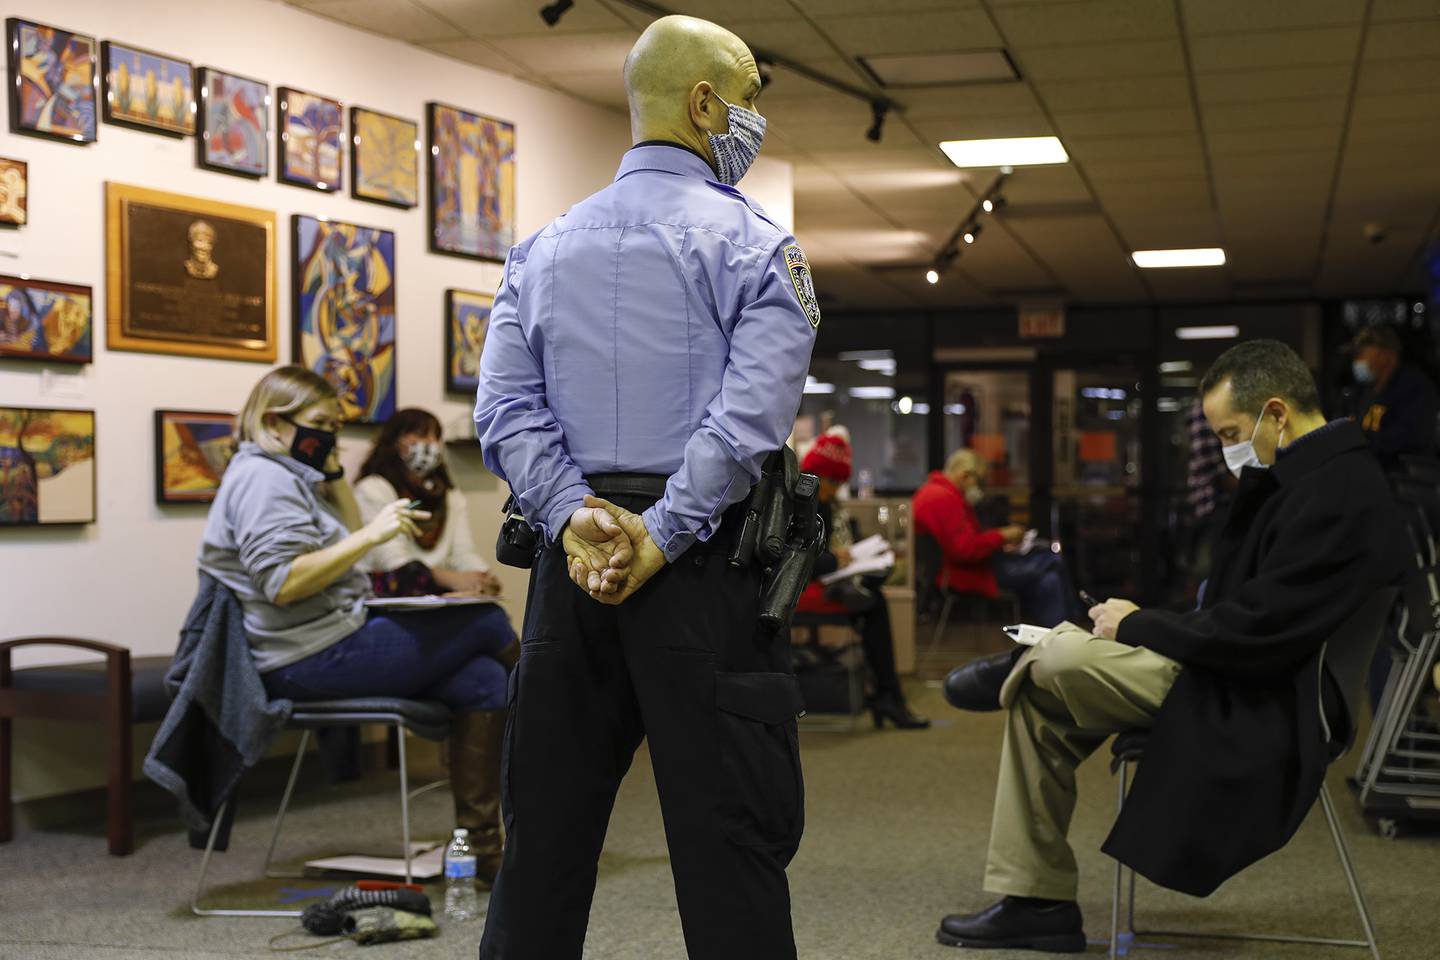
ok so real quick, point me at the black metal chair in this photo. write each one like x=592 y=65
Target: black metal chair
x=929 y=590
x=422 y=718
x=817 y=693
x=1347 y=655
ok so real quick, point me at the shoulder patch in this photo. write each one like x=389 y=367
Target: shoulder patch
x=799 y=269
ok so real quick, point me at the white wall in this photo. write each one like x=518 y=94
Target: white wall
x=128 y=579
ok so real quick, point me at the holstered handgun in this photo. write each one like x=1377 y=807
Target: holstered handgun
x=787 y=578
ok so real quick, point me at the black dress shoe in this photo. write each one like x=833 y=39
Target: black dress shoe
x=897 y=711
x=1018 y=923
x=976 y=685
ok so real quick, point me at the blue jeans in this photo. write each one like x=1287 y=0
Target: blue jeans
x=447 y=655
x=1042 y=582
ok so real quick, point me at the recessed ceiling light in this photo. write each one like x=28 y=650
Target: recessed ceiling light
x=932 y=276
x=1193 y=257
x=1005 y=152
x=1208 y=333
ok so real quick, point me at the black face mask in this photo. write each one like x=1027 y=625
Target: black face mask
x=313 y=447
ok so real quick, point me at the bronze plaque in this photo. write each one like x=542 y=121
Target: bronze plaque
x=190 y=276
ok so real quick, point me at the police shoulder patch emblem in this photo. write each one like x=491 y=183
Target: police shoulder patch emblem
x=799 y=269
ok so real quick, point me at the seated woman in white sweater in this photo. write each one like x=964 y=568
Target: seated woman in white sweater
x=408 y=460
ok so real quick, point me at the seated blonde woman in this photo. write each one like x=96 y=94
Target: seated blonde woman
x=285 y=535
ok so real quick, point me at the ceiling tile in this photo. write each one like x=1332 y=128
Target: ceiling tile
x=605 y=88
x=1200 y=283
x=978 y=100
x=1391 y=41
x=1031 y=124
x=1243 y=16
x=477 y=52
x=1144 y=146
x=1286 y=140
x=1116 y=93
x=396 y=19
x=1125 y=122
x=1295 y=83
x=1396 y=106
x=1384 y=10
x=937 y=32
x=848 y=8
x=1152 y=170
x=1101 y=21
x=727 y=13
x=1195 y=229
x=1269 y=115
x=496 y=18
x=1089 y=61
x=1218 y=54
x=1045 y=185
x=573 y=53
x=1380 y=77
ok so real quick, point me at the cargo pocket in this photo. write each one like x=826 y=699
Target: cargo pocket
x=760 y=754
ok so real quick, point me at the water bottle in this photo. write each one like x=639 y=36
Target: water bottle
x=461 y=901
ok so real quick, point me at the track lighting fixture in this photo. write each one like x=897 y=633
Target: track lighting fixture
x=551 y=13
x=932 y=276
x=878 y=111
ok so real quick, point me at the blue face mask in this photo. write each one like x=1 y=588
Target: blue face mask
x=1362 y=371
x=736 y=150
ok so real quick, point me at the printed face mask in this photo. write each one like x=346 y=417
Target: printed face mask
x=736 y=150
x=312 y=447
x=423 y=458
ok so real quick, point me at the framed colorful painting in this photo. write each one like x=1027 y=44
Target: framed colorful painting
x=344 y=312
x=41 y=320
x=14 y=192
x=188 y=276
x=472 y=184
x=47 y=466
x=312 y=140
x=234 y=124
x=192 y=450
x=384 y=158
x=52 y=81
x=146 y=90
x=467 y=319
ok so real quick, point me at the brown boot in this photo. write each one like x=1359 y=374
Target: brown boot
x=476 y=741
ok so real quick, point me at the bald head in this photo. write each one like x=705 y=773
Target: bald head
x=964 y=468
x=679 y=77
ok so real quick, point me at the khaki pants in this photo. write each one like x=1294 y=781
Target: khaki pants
x=1064 y=698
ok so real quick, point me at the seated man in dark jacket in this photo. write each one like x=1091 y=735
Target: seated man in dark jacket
x=1230 y=692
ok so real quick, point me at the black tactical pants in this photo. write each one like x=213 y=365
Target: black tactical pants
x=681 y=663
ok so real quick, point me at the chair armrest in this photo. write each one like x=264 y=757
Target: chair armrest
x=118 y=658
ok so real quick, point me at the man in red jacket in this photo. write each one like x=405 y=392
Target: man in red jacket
x=979 y=561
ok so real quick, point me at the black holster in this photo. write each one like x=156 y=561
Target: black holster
x=517 y=544
x=781 y=534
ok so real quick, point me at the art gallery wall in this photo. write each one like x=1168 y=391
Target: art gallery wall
x=129 y=578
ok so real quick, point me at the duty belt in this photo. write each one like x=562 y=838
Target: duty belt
x=651 y=485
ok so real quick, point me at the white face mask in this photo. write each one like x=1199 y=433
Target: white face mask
x=974 y=494
x=1240 y=455
x=423 y=457
x=736 y=150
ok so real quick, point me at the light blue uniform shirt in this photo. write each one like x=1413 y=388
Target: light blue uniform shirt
x=663 y=325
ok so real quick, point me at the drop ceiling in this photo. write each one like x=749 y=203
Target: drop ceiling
x=1275 y=128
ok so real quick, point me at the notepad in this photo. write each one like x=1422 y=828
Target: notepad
x=427 y=602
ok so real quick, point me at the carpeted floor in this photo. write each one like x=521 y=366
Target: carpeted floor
x=897 y=825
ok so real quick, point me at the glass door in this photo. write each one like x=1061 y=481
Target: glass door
x=988 y=411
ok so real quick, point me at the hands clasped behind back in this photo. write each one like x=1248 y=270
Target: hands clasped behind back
x=609 y=551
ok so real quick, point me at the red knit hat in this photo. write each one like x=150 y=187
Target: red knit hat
x=828 y=458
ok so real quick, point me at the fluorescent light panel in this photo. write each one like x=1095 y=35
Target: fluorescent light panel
x=815 y=386
x=1226 y=332
x=873 y=393
x=1192 y=257
x=1005 y=152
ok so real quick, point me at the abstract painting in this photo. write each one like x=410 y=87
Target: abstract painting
x=189 y=276
x=14 y=189
x=472 y=184
x=234 y=124
x=52 y=81
x=344 y=310
x=149 y=91
x=40 y=320
x=47 y=466
x=467 y=318
x=311 y=140
x=384 y=158
x=192 y=450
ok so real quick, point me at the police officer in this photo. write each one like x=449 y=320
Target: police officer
x=650 y=347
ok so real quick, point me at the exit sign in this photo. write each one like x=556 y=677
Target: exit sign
x=1042 y=322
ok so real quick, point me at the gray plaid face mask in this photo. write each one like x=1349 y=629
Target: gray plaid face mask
x=736 y=150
